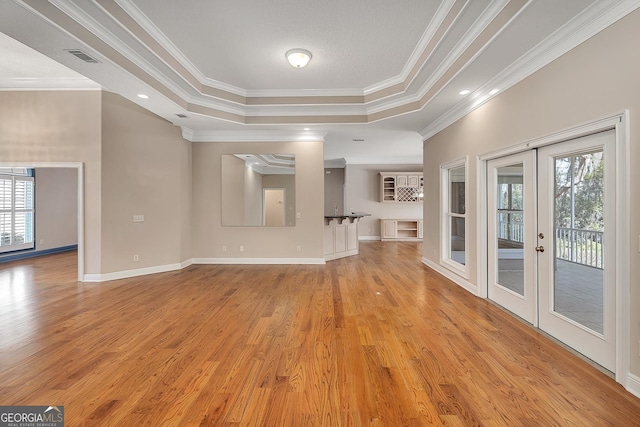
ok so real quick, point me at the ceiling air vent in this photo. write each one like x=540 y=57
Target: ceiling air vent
x=182 y=116
x=358 y=139
x=83 y=56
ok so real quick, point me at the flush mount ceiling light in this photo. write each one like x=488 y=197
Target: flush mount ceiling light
x=465 y=92
x=298 y=58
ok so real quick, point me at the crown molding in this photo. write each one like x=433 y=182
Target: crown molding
x=251 y=136
x=49 y=83
x=302 y=93
x=302 y=111
x=216 y=105
x=590 y=22
x=400 y=160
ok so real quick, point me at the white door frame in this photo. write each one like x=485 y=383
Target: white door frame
x=79 y=166
x=619 y=122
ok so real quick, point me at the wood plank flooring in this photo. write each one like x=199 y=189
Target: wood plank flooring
x=373 y=340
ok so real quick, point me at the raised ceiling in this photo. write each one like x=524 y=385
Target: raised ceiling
x=385 y=71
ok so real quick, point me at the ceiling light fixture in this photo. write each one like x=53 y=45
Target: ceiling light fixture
x=143 y=96
x=465 y=92
x=298 y=58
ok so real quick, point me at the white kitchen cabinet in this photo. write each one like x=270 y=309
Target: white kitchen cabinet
x=401 y=229
x=401 y=187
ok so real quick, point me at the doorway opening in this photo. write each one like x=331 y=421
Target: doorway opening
x=79 y=169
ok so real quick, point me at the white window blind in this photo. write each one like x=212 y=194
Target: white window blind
x=16 y=213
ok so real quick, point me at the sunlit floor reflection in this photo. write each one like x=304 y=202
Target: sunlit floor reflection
x=16 y=304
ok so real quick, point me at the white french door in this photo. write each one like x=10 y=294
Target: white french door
x=576 y=210
x=511 y=229
x=551 y=241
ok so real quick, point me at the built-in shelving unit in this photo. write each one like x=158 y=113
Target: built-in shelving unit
x=401 y=187
x=388 y=189
x=401 y=229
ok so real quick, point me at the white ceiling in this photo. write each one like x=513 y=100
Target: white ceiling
x=385 y=71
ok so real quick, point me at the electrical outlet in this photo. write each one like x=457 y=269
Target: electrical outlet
x=136 y=258
x=241 y=248
x=298 y=248
x=297 y=215
x=42 y=241
x=224 y=248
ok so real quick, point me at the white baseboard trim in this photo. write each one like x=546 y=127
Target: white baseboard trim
x=172 y=267
x=633 y=385
x=369 y=238
x=131 y=273
x=463 y=283
x=339 y=255
x=258 y=261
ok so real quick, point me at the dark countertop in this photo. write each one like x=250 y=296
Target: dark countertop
x=351 y=215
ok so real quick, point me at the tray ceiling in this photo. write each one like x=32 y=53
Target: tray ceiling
x=377 y=64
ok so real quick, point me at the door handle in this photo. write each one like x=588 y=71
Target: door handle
x=539 y=248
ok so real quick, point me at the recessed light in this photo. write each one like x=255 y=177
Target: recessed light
x=143 y=96
x=465 y=92
x=307 y=128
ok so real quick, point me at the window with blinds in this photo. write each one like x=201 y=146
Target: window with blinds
x=16 y=212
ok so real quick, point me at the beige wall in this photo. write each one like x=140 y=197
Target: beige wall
x=234 y=191
x=363 y=195
x=594 y=80
x=56 y=208
x=59 y=126
x=145 y=171
x=259 y=242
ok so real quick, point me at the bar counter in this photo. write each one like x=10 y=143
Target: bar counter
x=341 y=235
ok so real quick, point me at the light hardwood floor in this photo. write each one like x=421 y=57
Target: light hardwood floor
x=377 y=339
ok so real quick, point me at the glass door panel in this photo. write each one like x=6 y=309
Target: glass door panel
x=579 y=244
x=511 y=201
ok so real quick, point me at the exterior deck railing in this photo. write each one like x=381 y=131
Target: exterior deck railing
x=580 y=246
